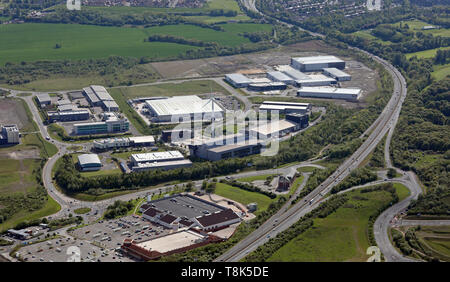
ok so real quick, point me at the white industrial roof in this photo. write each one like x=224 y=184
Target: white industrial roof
x=318 y=59
x=101 y=93
x=280 y=76
x=315 y=79
x=157 y=156
x=142 y=139
x=261 y=80
x=282 y=107
x=238 y=78
x=336 y=72
x=67 y=107
x=349 y=91
x=273 y=127
x=88 y=159
x=290 y=71
x=286 y=103
x=183 y=105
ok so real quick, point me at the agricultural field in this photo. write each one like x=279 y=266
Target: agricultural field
x=341 y=236
x=243 y=196
x=37 y=41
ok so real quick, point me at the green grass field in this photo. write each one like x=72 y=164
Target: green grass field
x=193 y=87
x=417 y=26
x=426 y=54
x=51 y=207
x=82 y=210
x=36 y=41
x=31 y=42
x=256 y=177
x=341 y=236
x=441 y=71
x=243 y=196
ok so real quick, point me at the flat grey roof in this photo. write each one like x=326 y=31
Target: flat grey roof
x=278 y=75
x=43 y=98
x=238 y=78
x=232 y=147
x=86 y=159
x=336 y=72
x=185 y=206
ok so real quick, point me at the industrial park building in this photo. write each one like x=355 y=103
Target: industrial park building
x=9 y=134
x=315 y=80
x=279 y=76
x=89 y=162
x=300 y=119
x=180 y=108
x=98 y=96
x=272 y=129
x=317 y=63
x=351 y=94
x=68 y=115
x=285 y=107
x=267 y=86
x=223 y=147
x=43 y=100
x=238 y=80
x=291 y=72
x=120 y=142
x=111 y=125
x=337 y=74
x=158 y=160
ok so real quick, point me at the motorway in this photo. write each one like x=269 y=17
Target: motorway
x=383 y=124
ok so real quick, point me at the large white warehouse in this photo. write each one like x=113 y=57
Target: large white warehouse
x=351 y=94
x=177 y=108
x=317 y=63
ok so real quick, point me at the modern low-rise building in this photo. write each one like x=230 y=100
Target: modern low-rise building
x=292 y=72
x=316 y=80
x=98 y=96
x=158 y=160
x=317 y=63
x=351 y=94
x=260 y=87
x=71 y=115
x=238 y=80
x=273 y=129
x=43 y=100
x=89 y=162
x=279 y=76
x=285 y=107
x=337 y=74
x=183 y=108
x=9 y=134
x=112 y=124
